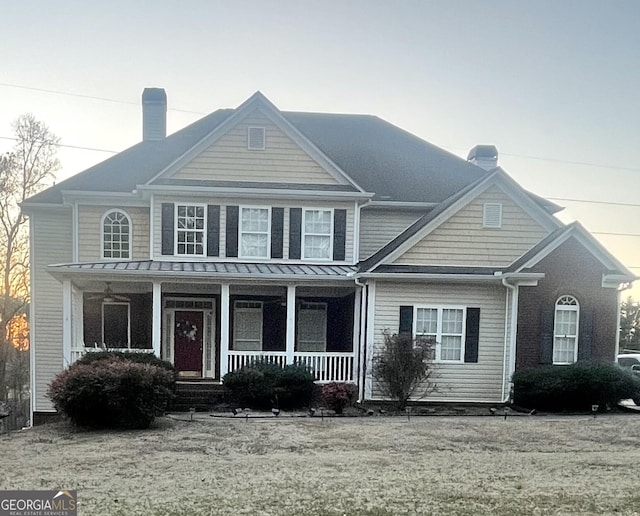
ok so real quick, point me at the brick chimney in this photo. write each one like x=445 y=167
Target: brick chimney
x=154 y=114
x=484 y=156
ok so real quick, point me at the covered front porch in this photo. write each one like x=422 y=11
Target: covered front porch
x=209 y=327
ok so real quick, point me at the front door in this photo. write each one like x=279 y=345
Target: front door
x=187 y=338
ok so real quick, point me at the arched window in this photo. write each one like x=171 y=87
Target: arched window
x=565 y=330
x=116 y=235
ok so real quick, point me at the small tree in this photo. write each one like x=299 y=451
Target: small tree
x=404 y=368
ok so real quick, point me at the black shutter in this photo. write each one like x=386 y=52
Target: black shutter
x=213 y=230
x=277 y=232
x=472 y=336
x=406 y=320
x=546 y=342
x=295 y=232
x=232 y=231
x=585 y=337
x=167 y=227
x=339 y=234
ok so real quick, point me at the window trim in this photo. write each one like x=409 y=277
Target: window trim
x=305 y=305
x=303 y=236
x=439 y=335
x=566 y=308
x=128 y=305
x=238 y=309
x=102 y=235
x=241 y=232
x=485 y=210
x=176 y=229
x=264 y=138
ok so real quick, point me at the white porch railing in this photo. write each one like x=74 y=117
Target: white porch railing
x=326 y=367
x=77 y=353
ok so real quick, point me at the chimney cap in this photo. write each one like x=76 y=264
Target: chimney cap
x=154 y=95
x=483 y=152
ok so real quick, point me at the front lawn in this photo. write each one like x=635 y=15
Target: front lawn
x=363 y=466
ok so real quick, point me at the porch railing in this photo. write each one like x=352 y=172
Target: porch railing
x=326 y=367
x=77 y=353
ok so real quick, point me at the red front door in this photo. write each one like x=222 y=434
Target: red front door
x=187 y=341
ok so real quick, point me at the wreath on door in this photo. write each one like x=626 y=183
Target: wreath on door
x=186 y=329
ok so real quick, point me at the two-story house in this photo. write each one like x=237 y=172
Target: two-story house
x=303 y=238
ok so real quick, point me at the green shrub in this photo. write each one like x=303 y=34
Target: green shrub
x=574 y=388
x=338 y=395
x=262 y=385
x=137 y=357
x=112 y=393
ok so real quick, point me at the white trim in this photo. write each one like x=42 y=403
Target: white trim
x=156 y=319
x=152 y=227
x=118 y=303
x=290 y=342
x=514 y=330
x=355 y=258
x=32 y=323
x=74 y=233
x=203 y=230
x=355 y=340
x=267 y=208
x=439 y=333
x=263 y=138
x=224 y=328
x=370 y=344
x=129 y=221
x=303 y=234
x=66 y=323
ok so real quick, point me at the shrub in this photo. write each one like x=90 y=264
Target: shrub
x=404 y=368
x=137 y=357
x=262 y=385
x=338 y=395
x=574 y=388
x=112 y=393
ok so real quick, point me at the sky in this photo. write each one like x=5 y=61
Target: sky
x=554 y=85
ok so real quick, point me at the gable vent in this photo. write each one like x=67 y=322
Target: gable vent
x=256 y=138
x=492 y=215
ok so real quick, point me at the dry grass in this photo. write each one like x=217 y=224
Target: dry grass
x=367 y=466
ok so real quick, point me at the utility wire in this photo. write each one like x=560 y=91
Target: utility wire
x=68 y=146
x=634 y=205
x=615 y=234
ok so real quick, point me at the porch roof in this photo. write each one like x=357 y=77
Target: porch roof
x=202 y=270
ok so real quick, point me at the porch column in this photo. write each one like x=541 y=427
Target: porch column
x=291 y=323
x=224 y=329
x=67 y=327
x=156 y=319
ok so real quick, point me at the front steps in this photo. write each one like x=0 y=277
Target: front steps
x=201 y=395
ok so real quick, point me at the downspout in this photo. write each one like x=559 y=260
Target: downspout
x=511 y=337
x=362 y=337
x=626 y=286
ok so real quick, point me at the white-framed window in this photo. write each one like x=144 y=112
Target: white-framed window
x=116 y=324
x=492 y=215
x=256 y=138
x=255 y=232
x=247 y=326
x=190 y=237
x=446 y=326
x=317 y=234
x=116 y=235
x=312 y=326
x=565 y=330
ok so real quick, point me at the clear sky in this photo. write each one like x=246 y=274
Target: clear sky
x=554 y=85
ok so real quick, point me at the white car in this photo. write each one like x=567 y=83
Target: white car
x=630 y=361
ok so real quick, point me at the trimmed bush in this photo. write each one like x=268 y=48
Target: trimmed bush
x=112 y=393
x=574 y=388
x=338 y=395
x=263 y=386
x=137 y=357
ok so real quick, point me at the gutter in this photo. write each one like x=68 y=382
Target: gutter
x=509 y=337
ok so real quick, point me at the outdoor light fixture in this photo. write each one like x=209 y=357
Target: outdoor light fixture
x=192 y=411
x=594 y=409
x=236 y=411
x=506 y=412
x=312 y=412
x=275 y=411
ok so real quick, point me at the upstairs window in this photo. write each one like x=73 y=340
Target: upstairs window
x=492 y=216
x=254 y=233
x=116 y=235
x=317 y=235
x=190 y=230
x=565 y=330
x=256 y=138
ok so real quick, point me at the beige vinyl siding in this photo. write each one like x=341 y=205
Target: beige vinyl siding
x=473 y=382
x=51 y=239
x=461 y=240
x=223 y=202
x=282 y=161
x=379 y=226
x=90 y=231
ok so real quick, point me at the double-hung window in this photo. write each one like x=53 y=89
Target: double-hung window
x=190 y=229
x=247 y=326
x=565 y=330
x=254 y=232
x=312 y=326
x=446 y=326
x=317 y=234
x=116 y=328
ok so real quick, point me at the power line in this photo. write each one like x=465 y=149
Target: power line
x=634 y=205
x=91 y=97
x=571 y=162
x=68 y=146
x=615 y=234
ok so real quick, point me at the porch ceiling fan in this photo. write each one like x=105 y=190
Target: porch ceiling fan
x=108 y=295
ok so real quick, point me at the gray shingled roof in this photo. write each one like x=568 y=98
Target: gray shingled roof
x=380 y=157
x=212 y=269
